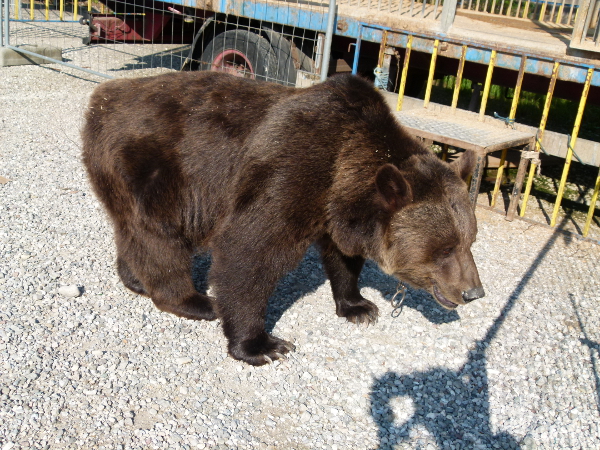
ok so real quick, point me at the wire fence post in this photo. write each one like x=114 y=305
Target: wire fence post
x=448 y=13
x=332 y=13
x=4 y=18
x=1 y=23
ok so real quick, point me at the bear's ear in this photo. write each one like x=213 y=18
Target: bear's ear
x=393 y=189
x=465 y=164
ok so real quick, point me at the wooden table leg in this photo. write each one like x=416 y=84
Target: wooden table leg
x=515 y=197
x=476 y=178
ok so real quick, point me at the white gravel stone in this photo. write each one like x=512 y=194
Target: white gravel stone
x=69 y=291
x=183 y=360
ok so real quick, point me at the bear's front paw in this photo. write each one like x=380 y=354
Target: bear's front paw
x=358 y=311
x=260 y=350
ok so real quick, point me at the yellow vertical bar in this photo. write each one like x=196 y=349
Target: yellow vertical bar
x=499 y=176
x=592 y=209
x=517 y=93
x=89 y=3
x=512 y=114
x=459 y=74
x=404 y=73
x=31 y=9
x=488 y=85
x=526 y=10
x=47 y=9
x=382 y=49
x=560 y=13
x=563 y=180
x=76 y=8
x=434 y=53
x=17 y=4
x=61 y=14
x=542 y=12
x=542 y=127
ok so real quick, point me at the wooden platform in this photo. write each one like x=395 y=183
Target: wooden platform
x=480 y=137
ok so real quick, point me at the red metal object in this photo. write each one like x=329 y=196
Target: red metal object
x=234 y=62
x=129 y=27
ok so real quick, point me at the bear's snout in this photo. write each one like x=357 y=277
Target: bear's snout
x=473 y=294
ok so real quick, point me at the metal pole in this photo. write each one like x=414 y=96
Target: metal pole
x=1 y=23
x=563 y=180
x=540 y=135
x=328 y=38
x=357 y=51
x=488 y=85
x=448 y=13
x=458 y=79
x=404 y=73
x=56 y=61
x=6 y=22
x=434 y=53
x=590 y=216
x=512 y=114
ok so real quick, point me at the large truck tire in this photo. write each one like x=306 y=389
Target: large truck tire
x=241 y=53
x=290 y=58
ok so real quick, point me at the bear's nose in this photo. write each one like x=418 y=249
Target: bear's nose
x=473 y=294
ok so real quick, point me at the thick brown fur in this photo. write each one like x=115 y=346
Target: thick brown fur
x=256 y=173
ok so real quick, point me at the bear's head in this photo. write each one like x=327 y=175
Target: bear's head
x=429 y=227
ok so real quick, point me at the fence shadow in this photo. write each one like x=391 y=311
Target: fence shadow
x=452 y=405
x=171 y=59
x=594 y=349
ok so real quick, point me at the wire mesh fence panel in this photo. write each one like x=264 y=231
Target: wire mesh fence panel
x=269 y=40
x=426 y=9
x=557 y=13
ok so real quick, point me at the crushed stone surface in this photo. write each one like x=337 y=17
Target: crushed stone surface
x=84 y=363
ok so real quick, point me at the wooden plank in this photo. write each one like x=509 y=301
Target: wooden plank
x=459 y=143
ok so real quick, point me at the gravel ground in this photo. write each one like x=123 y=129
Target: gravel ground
x=105 y=369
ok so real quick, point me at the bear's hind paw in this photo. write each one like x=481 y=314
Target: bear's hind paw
x=196 y=307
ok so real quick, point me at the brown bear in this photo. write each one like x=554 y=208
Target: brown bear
x=256 y=173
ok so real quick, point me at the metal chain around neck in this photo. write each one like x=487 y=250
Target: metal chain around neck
x=397 y=303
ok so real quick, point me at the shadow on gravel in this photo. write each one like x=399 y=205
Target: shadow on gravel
x=310 y=275
x=594 y=348
x=171 y=59
x=452 y=406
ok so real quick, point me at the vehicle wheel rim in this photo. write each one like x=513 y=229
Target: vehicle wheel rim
x=233 y=62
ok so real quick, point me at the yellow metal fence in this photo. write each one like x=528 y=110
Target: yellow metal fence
x=51 y=11
x=542 y=126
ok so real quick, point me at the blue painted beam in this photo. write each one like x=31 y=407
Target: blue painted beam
x=292 y=15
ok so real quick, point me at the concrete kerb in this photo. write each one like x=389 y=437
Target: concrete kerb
x=34 y=54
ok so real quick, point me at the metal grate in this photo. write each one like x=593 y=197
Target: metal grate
x=477 y=134
x=270 y=40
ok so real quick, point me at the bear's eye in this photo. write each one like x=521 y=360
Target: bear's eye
x=447 y=251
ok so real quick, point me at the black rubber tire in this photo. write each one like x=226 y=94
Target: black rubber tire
x=288 y=57
x=242 y=53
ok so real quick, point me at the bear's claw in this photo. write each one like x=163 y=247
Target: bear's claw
x=261 y=350
x=359 y=312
